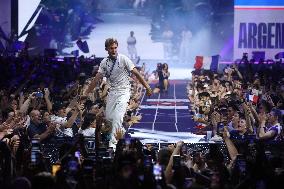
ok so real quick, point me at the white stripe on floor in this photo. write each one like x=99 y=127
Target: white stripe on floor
x=167 y=100
x=164 y=107
x=157 y=107
x=175 y=107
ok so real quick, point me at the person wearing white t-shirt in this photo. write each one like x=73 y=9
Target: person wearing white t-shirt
x=184 y=49
x=88 y=128
x=131 y=42
x=117 y=69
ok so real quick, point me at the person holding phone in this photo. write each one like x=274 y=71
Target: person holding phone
x=270 y=128
x=173 y=159
x=116 y=68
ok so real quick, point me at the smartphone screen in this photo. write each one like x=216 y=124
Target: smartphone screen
x=34 y=157
x=176 y=161
x=35 y=144
x=241 y=164
x=77 y=154
x=188 y=182
x=35 y=150
x=157 y=171
x=147 y=161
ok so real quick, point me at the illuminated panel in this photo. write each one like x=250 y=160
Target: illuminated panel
x=26 y=10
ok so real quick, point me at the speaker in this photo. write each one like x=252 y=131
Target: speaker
x=258 y=55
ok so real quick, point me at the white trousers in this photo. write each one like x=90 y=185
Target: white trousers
x=116 y=105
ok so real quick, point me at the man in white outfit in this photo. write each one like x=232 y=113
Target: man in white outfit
x=184 y=50
x=117 y=69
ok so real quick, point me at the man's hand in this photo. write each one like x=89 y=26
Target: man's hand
x=32 y=95
x=149 y=91
x=226 y=134
x=262 y=118
x=46 y=93
x=179 y=144
x=119 y=134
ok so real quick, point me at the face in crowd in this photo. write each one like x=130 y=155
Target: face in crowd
x=35 y=116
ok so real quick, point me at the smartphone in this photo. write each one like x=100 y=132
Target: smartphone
x=184 y=149
x=176 y=162
x=34 y=157
x=35 y=150
x=241 y=163
x=157 y=171
x=110 y=152
x=220 y=128
x=106 y=160
x=55 y=168
x=77 y=154
x=148 y=161
x=127 y=141
x=88 y=166
x=35 y=144
x=188 y=182
x=91 y=145
x=73 y=166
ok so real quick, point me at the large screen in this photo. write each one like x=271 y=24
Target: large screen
x=165 y=29
x=28 y=13
x=258 y=28
x=5 y=22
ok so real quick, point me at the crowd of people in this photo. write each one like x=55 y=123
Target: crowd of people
x=246 y=100
x=242 y=104
x=58 y=130
x=71 y=19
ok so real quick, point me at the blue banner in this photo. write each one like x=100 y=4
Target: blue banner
x=259 y=2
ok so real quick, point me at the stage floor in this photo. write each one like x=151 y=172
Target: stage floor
x=166 y=117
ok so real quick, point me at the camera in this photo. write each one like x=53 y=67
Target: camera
x=38 y=94
x=245 y=58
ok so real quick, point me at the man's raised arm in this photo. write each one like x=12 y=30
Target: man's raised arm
x=142 y=81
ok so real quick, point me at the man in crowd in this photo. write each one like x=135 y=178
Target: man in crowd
x=39 y=129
